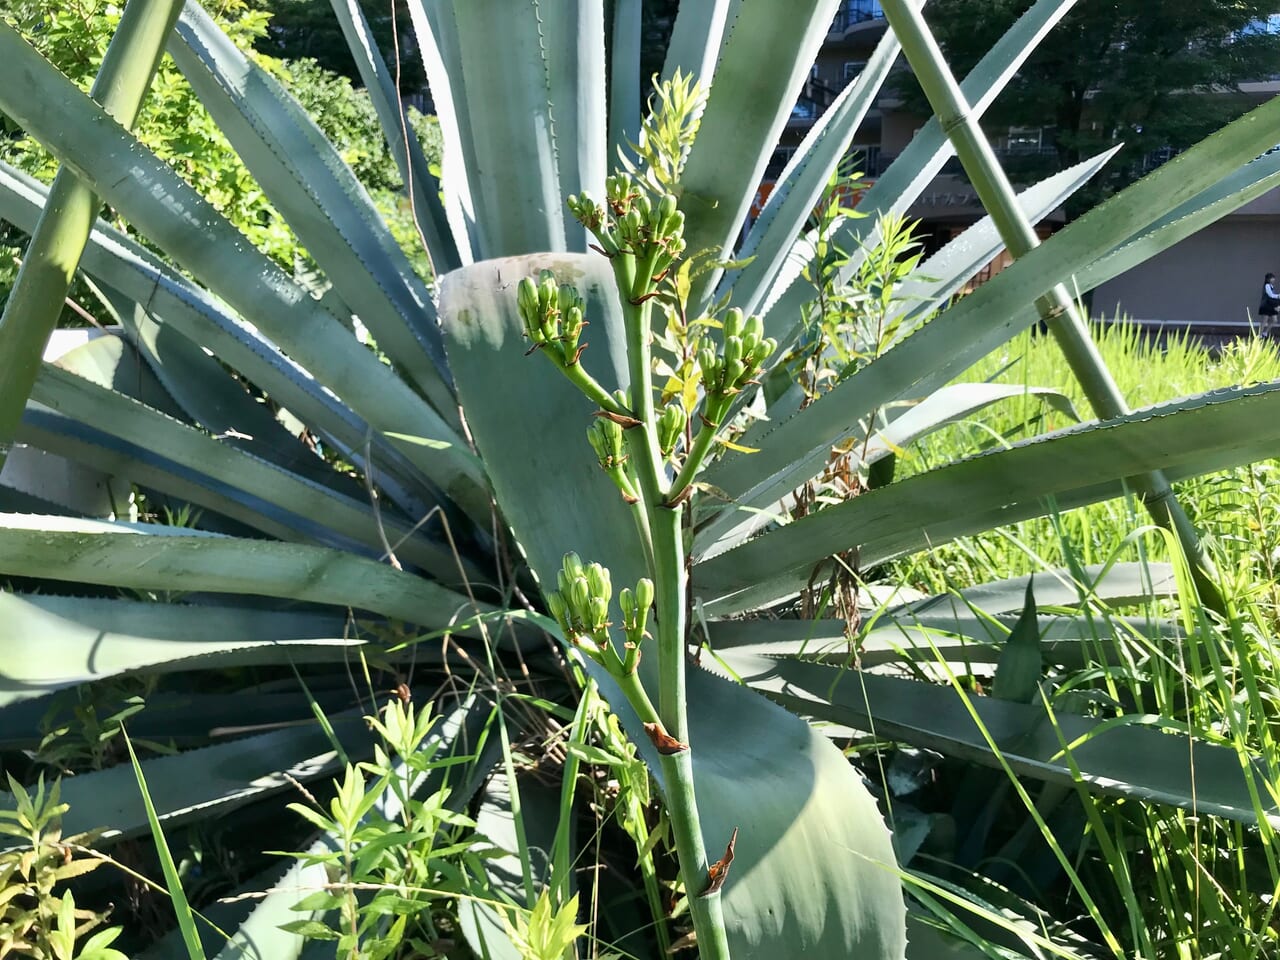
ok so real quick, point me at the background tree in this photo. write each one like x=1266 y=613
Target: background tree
x=307 y=29
x=1154 y=76
x=178 y=128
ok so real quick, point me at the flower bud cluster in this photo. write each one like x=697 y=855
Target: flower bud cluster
x=632 y=222
x=552 y=316
x=580 y=605
x=605 y=437
x=670 y=425
x=745 y=350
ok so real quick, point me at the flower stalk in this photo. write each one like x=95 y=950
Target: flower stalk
x=640 y=230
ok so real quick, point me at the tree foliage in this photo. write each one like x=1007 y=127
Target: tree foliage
x=1155 y=76
x=178 y=128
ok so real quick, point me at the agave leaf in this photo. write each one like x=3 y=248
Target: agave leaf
x=1021 y=663
x=177 y=304
x=624 y=75
x=179 y=720
x=1227 y=195
x=60 y=641
x=436 y=32
x=445 y=248
x=521 y=201
x=43 y=429
x=574 y=65
x=205 y=395
x=306 y=506
x=804 y=803
x=1117 y=585
x=696 y=39
x=169 y=212
x=899 y=186
x=796 y=449
x=152 y=557
x=943 y=406
x=319 y=197
x=942 y=275
x=1070 y=641
x=197 y=782
x=801 y=184
x=995 y=488
x=746 y=110
x=1124 y=758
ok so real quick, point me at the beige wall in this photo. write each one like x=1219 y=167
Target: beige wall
x=1213 y=276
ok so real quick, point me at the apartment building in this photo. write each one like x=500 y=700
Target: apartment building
x=1210 y=280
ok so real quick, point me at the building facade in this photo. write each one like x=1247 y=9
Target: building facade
x=1212 y=279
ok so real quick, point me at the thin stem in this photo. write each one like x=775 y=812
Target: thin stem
x=53 y=255
x=698 y=451
x=667 y=569
x=1056 y=308
x=591 y=388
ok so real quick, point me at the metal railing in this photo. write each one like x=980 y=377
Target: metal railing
x=853 y=12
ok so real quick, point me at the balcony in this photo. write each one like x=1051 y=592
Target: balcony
x=855 y=12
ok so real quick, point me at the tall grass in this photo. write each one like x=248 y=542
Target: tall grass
x=1146 y=881
x=1229 y=508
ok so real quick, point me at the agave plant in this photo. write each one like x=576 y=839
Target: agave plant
x=425 y=527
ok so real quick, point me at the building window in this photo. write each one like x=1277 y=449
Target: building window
x=1024 y=140
x=852 y=68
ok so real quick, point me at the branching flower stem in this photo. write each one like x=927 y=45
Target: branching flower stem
x=668 y=572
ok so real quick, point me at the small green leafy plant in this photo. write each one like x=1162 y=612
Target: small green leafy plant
x=396 y=862
x=35 y=921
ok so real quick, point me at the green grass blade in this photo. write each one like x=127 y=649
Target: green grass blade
x=173 y=882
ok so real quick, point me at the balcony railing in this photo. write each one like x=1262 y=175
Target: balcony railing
x=853 y=12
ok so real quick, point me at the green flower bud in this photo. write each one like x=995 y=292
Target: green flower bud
x=527 y=301
x=627 y=604
x=579 y=598
x=605 y=438
x=732 y=350
x=764 y=351
x=587 y=212
x=734 y=372
x=708 y=362
x=670 y=426
x=572 y=564
x=599 y=614
x=665 y=215
x=560 y=610
x=733 y=323
x=644 y=593
x=598 y=581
